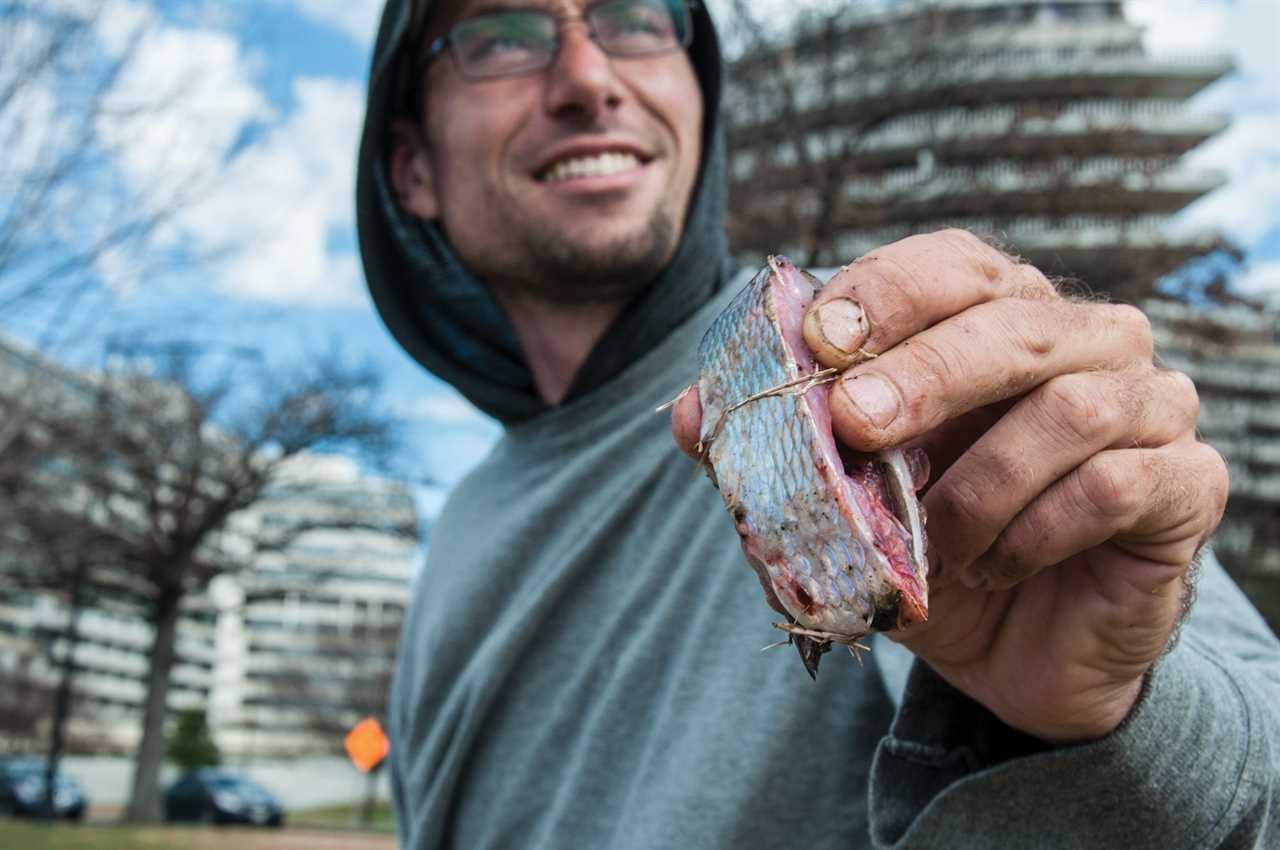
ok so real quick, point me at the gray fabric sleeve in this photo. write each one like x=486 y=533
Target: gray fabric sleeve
x=1196 y=765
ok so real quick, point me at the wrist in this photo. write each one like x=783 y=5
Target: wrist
x=1111 y=713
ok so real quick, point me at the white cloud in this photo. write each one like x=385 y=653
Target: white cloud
x=1248 y=207
x=1179 y=25
x=178 y=109
x=268 y=195
x=282 y=201
x=1262 y=279
x=357 y=18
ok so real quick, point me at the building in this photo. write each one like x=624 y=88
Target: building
x=280 y=654
x=1043 y=124
x=307 y=639
x=1233 y=353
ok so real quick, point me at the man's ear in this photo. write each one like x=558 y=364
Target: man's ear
x=410 y=169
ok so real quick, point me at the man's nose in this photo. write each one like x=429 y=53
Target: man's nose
x=581 y=79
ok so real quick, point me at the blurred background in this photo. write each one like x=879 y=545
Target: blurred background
x=218 y=473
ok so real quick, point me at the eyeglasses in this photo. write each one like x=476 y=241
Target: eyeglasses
x=525 y=41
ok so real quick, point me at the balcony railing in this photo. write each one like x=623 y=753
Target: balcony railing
x=953 y=126
x=1028 y=70
x=1042 y=232
x=1130 y=175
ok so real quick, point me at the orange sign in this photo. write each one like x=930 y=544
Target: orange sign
x=367 y=744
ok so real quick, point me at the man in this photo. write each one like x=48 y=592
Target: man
x=540 y=206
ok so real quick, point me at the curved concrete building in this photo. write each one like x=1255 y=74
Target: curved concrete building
x=1043 y=124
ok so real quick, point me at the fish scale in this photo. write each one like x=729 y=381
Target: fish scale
x=831 y=555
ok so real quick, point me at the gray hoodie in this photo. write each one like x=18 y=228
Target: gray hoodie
x=580 y=666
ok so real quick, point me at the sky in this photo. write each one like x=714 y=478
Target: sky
x=271 y=96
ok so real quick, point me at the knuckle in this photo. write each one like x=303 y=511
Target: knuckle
x=964 y=241
x=1136 y=326
x=1033 y=285
x=1106 y=489
x=1075 y=404
x=1025 y=321
x=934 y=363
x=989 y=262
x=1217 y=479
x=966 y=495
x=1007 y=562
x=1184 y=393
x=884 y=283
x=960 y=500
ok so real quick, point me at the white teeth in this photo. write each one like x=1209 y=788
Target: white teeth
x=600 y=165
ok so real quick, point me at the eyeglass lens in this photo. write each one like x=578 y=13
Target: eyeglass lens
x=522 y=41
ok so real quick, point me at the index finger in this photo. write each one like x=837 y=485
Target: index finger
x=686 y=421
x=901 y=289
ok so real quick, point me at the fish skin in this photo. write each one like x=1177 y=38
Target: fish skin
x=824 y=540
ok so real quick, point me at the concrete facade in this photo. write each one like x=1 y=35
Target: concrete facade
x=1042 y=124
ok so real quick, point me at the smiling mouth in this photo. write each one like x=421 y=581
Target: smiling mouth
x=595 y=165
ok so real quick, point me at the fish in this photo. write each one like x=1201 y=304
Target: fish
x=836 y=537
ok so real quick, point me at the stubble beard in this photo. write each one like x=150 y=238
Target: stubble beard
x=546 y=266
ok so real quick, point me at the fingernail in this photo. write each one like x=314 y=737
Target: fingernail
x=872 y=395
x=843 y=324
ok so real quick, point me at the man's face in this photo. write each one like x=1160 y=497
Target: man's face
x=570 y=185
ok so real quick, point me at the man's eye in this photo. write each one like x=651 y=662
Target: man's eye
x=634 y=25
x=497 y=45
x=647 y=24
x=506 y=36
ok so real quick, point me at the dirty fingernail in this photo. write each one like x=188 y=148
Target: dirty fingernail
x=872 y=395
x=843 y=324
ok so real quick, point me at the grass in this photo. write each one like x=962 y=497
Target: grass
x=318 y=829
x=31 y=836
x=344 y=817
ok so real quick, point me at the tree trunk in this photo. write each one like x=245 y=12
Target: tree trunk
x=144 y=802
x=370 y=798
x=62 y=700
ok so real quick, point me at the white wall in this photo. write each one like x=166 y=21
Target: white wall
x=299 y=783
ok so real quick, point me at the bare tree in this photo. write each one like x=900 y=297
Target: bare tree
x=804 y=99
x=69 y=110
x=353 y=683
x=25 y=696
x=157 y=467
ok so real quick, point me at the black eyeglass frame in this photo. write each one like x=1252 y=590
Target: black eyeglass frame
x=684 y=28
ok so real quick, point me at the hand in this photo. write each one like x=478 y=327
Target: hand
x=1068 y=492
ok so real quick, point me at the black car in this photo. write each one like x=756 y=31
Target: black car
x=211 y=795
x=22 y=790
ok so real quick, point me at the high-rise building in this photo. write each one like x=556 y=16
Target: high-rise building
x=1045 y=125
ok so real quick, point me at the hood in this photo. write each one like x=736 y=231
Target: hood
x=447 y=320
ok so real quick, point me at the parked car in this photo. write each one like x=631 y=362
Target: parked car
x=22 y=790
x=212 y=795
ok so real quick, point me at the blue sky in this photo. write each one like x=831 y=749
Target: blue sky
x=272 y=99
